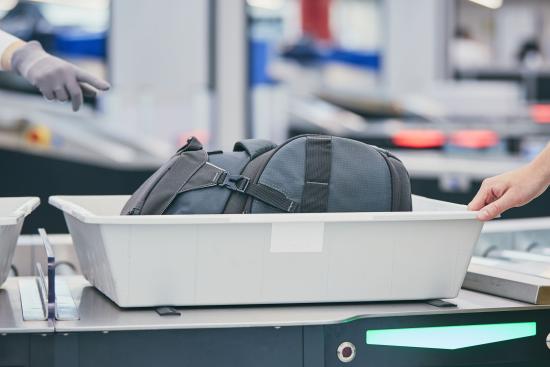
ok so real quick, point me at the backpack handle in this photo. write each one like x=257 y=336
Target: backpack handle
x=193 y=144
x=254 y=147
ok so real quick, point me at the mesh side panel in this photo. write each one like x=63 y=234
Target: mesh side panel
x=284 y=172
x=360 y=180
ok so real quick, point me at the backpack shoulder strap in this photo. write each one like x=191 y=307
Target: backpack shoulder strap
x=156 y=194
x=188 y=170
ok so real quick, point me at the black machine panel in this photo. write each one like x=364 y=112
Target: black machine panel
x=468 y=346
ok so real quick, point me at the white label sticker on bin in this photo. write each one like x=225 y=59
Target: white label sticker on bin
x=297 y=237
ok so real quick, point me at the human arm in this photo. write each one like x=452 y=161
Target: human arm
x=513 y=189
x=55 y=78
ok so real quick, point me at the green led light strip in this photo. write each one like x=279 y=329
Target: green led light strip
x=451 y=337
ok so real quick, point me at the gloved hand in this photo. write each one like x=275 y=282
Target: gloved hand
x=55 y=78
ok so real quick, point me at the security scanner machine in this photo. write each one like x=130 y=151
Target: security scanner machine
x=474 y=329
x=22 y=342
x=84 y=326
x=425 y=288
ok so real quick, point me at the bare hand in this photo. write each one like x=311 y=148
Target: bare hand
x=509 y=190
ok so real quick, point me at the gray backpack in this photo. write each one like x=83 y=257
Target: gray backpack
x=306 y=174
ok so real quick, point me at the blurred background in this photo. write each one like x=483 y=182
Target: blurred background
x=458 y=89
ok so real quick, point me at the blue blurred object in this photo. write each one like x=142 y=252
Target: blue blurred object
x=308 y=52
x=367 y=60
x=305 y=51
x=261 y=53
x=27 y=22
x=75 y=42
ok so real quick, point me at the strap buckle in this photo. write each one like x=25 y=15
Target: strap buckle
x=234 y=182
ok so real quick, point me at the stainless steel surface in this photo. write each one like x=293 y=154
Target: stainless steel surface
x=517 y=240
x=43 y=290
x=512 y=260
x=65 y=307
x=32 y=303
x=11 y=314
x=525 y=235
x=507 y=283
x=536 y=269
x=518 y=255
x=97 y=313
x=518 y=225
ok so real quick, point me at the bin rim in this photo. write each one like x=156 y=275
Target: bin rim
x=28 y=205
x=65 y=204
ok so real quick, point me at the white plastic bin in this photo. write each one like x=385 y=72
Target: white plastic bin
x=145 y=261
x=12 y=215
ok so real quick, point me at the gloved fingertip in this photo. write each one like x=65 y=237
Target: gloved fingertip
x=104 y=87
x=75 y=104
x=100 y=84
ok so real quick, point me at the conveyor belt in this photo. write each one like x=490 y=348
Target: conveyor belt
x=502 y=331
x=505 y=282
x=97 y=313
x=11 y=314
x=513 y=261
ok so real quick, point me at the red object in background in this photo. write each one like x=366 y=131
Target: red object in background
x=419 y=139
x=475 y=139
x=316 y=19
x=202 y=135
x=540 y=113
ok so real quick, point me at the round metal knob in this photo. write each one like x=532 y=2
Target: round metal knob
x=548 y=341
x=346 y=352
